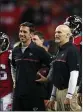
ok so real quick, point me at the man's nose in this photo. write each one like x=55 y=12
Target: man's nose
x=55 y=34
x=21 y=33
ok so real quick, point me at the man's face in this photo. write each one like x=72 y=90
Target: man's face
x=24 y=34
x=37 y=40
x=60 y=35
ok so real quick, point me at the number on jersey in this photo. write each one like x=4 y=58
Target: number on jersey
x=3 y=74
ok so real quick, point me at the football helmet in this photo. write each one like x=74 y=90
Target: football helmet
x=4 y=42
x=75 y=23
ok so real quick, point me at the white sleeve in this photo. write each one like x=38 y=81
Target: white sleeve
x=10 y=55
x=72 y=83
x=53 y=94
x=13 y=71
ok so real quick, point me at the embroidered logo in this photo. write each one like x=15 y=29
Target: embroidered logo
x=35 y=109
x=62 y=54
x=30 y=54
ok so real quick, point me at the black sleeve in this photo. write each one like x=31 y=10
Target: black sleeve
x=73 y=59
x=13 y=60
x=80 y=87
x=45 y=57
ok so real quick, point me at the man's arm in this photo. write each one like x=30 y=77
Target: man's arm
x=51 y=103
x=45 y=79
x=53 y=94
x=73 y=67
x=80 y=87
x=45 y=57
x=73 y=62
x=13 y=70
x=72 y=83
x=50 y=74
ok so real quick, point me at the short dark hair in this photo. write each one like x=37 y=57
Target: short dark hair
x=40 y=34
x=30 y=25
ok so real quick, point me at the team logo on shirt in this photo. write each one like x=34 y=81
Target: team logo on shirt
x=30 y=54
x=35 y=108
x=77 y=64
x=62 y=54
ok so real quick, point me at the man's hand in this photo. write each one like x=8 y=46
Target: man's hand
x=79 y=99
x=50 y=105
x=67 y=104
x=41 y=78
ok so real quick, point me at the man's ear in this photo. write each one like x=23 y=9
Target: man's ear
x=31 y=35
x=69 y=35
x=42 y=40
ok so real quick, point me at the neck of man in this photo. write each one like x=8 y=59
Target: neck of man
x=62 y=43
x=26 y=44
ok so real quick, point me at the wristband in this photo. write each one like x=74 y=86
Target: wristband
x=53 y=95
x=70 y=93
x=69 y=96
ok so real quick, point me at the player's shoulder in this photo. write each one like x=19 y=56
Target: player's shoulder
x=39 y=48
x=72 y=48
x=35 y=47
x=16 y=44
x=9 y=51
x=78 y=40
x=6 y=55
x=15 y=48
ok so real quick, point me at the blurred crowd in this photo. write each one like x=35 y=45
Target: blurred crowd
x=45 y=14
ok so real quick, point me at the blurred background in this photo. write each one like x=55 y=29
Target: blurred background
x=44 y=14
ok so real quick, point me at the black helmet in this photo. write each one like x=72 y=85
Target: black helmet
x=75 y=23
x=4 y=42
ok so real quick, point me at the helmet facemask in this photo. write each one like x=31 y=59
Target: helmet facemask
x=75 y=24
x=4 y=42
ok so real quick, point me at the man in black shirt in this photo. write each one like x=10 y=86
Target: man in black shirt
x=64 y=72
x=38 y=39
x=27 y=59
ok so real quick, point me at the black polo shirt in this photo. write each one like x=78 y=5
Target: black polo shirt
x=27 y=64
x=66 y=61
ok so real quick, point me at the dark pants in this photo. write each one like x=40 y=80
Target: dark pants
x=25 y=103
